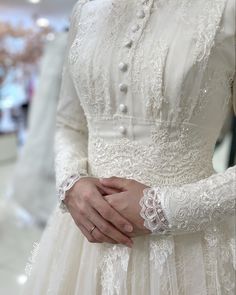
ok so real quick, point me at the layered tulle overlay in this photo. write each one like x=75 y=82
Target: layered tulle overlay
x=67 y=263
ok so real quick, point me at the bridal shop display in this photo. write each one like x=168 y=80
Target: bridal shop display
x=37 y=196
x=20 y=52
x=32 y=44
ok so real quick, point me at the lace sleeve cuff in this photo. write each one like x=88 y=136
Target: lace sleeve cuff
x=65 y=186
x=190 y=207
x=152 y=212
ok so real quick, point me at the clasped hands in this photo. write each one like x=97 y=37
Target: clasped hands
x=110 y=204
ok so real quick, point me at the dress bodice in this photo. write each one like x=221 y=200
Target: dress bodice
x=154 y=61
x=155 y=78
x=146 y=87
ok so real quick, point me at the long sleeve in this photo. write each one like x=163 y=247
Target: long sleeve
x=190 y=207
x=71 y=139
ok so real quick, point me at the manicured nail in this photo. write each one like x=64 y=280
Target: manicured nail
x=128 y=228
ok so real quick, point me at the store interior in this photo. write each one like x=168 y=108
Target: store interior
x=32 y=43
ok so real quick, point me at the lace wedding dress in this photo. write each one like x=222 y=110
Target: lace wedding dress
x=146 y=87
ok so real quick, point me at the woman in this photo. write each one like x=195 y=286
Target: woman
x=146 y=87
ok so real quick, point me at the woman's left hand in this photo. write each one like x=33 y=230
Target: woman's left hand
x=126 y=202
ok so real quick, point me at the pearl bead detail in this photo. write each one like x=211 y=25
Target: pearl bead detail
x=140 y=14
x=123 y=66
x=122 y=130
x=135 y=28
x=123 y=108
x=123 y=87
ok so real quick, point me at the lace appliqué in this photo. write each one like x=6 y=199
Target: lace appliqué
x=156 y=80
x=114 y=265
x=208 y=25
x=66 y=185
x=152 y=213
x=217 y=245
x=160 y=250
x=194 y=207
x=170 y=155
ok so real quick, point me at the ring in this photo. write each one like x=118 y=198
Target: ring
x=92 y=229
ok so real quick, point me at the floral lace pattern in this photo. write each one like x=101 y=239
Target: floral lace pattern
x=152 y=212
x=114 y=266
x=208 y=25
x=160 y=250
x=193 y=207
x=94 y=80
x=156 y=97
x=155 y=160
x=217 y=244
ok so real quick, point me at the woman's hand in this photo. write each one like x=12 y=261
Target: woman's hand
x=87 y=207
x=126 y=202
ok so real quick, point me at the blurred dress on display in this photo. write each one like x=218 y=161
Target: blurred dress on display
x=33 y=183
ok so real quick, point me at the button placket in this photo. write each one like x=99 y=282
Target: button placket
x=135 y=29
x=142 y=14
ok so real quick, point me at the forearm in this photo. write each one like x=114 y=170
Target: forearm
x=191 y=207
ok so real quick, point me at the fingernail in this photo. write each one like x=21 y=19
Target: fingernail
x=128 y=228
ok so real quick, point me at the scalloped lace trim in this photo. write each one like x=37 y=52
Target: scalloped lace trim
x=66 y=185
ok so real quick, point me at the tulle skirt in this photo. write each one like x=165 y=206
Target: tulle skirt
x=65 y=263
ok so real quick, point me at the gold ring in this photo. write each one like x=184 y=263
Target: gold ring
x=92 y=229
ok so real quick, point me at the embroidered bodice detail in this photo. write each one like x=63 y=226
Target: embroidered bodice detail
x=129 y=108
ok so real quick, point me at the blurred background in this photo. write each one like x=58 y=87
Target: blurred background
x=33 y=36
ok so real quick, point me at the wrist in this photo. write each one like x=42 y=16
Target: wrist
x=65 y=188
x=152 y=212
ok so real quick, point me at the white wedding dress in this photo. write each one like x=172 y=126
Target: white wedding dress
x=33 y=182
x=146 y=87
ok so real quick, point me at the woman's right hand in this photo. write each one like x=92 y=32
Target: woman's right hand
x=87 y=207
